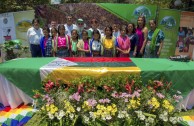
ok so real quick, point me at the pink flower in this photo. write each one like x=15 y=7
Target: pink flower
x=75 y=96
x=136 y=94
x=115 y=94
x=48 y=99
x=125 y=95
x=92 y=102
x=104 y=101
x=161 y=96
x=177 y=98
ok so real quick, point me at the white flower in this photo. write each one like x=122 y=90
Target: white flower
x=86 y=119
x=174 y=120
x=59 y=117
x=61 y=113
x=150 y=120
x=142 y=117
x=178 y=92
x=108 y=117
x=78 y=109
x=165 y=113
x=165 y=119
x=56 y=114
x=51 y=116
x=103 y=118
x=71 y=116
x=120 y=115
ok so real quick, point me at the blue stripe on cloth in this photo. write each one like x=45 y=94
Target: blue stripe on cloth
x=14 y=122
x=1 y=107
x=24 y=120
x=17 y=123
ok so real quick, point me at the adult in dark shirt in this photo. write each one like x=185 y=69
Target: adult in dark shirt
x=133 y=39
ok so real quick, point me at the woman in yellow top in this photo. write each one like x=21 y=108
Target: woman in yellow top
x=108 y=42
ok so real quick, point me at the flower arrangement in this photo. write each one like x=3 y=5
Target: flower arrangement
x=117 y=100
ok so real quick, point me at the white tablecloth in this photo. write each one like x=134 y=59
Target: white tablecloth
x=10 y=95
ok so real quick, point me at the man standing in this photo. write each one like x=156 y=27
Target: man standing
x=53 y=25
x=80 y=26
x=69 y=26
x=34 y=34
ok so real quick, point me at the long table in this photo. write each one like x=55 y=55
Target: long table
x=20 y=76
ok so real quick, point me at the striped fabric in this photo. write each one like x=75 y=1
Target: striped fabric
x=189 y=120
x=16 y=117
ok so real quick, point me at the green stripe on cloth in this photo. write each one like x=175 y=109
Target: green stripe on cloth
x=105 y=64
x=19 y=71
x=179 y=73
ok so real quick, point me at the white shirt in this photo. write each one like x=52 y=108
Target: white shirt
x=116 y=34
x=68 y=29
x=34 y=36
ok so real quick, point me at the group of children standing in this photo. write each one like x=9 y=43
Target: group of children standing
x=130 y=42
x=62 y=45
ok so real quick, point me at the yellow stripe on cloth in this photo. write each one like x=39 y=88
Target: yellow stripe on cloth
x=67 y=74
x=186 y=118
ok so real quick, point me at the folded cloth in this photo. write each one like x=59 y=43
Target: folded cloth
x=181 y=58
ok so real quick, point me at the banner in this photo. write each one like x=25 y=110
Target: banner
x=23 y=21
x=130 y=12
x=168 y=22
x=185 y=43
x=106 y=13
x=7 y=29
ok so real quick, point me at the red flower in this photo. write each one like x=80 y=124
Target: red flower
x=80 y=88
x=48 y=86
x=108 y=88
x=128 y=86
x=91 y=90
x=36 y=96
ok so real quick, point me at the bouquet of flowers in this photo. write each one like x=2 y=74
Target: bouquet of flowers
x=117 y=100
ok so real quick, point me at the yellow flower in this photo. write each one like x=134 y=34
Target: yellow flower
x=109 y=108
x=171 y=108
x=69 y=108
x=167 y=105
x=99 y=112
x=114 y=106
x=133 y=104
x=154 y=102
x=86 y=106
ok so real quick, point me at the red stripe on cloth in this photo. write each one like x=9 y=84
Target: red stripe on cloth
x=97 y=59
x=7 y=109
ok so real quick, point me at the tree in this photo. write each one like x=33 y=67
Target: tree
x=19 y=5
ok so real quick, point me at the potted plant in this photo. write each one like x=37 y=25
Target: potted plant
x=13 y=49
